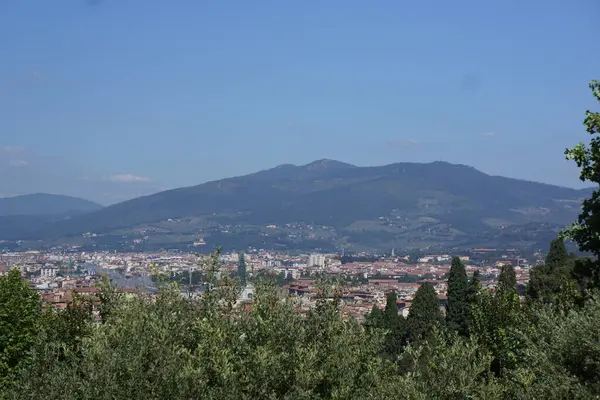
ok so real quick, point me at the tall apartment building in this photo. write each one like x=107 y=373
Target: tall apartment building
x=316 y=260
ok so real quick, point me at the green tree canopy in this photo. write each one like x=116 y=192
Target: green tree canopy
x=374 y=319
x=473 y=295
x=474 y=285
x=557 y=256
x=457 y=310
x=20 y=315
x=496 y=321
x=424 y=313
x=390 y=312
x=507 y=281
x=553 y=281
x=395 y=325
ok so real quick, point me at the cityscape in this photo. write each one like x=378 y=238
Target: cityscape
x=337 y=200
x=55 y=275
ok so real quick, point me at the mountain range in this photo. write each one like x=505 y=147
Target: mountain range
x=327 y=204
x=45 y=204
x=24 y=216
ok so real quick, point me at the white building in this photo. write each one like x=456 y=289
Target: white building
x=316 y=260
x=292 y=273
x=49 y=270
x=247 y=293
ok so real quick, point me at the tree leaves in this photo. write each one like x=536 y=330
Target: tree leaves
x=586 y=231
x=20 y=317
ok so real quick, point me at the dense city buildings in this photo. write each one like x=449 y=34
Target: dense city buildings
x=57 y=275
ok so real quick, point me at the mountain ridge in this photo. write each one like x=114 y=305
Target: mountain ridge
x=398 y=203
x=45 y=204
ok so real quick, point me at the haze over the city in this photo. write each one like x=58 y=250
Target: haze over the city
x=109 y=100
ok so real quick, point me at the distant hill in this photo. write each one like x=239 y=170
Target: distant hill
x=45 y=204
x=403 y=204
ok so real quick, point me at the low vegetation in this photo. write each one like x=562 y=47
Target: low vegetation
x=491 y=347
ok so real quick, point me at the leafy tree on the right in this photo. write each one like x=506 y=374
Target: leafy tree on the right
x=586 y=231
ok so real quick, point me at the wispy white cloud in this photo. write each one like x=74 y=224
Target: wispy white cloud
x=13 y=156
x=18 y=163
x=37 y=75
x=128 y=178
x=488 y=134
x=403 y=143
x=11 y=149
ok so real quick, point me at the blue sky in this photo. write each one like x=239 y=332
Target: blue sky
x=110 y=99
